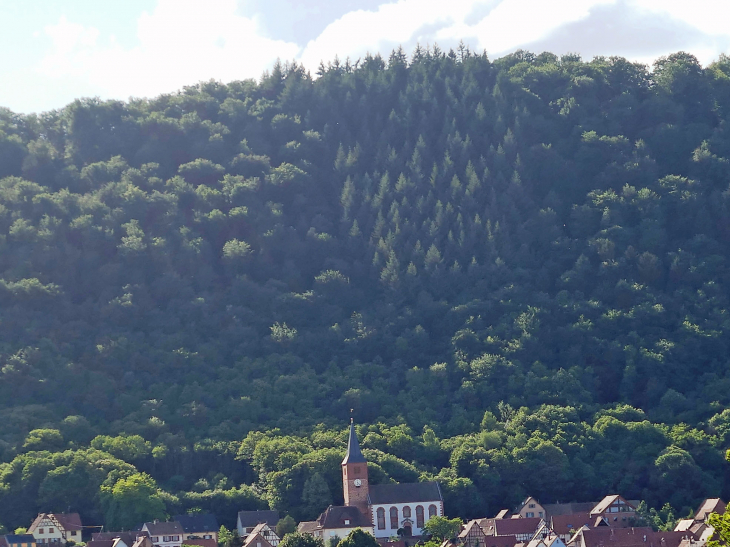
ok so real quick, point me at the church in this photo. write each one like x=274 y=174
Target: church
x=381 y=509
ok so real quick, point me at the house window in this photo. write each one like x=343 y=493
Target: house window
x=432 y=512
x=530 y=514
x=419 y=516
x=406 y=512
x=155 y=539
x=393 y=518
x=381 y=518
x=73 y=532
x=50 y=530
x=532 y=506
x=541 y=514
x=207 y=536
x=40 y=530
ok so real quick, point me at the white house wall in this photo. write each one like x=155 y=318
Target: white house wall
x=389 y=532
x=341 y=532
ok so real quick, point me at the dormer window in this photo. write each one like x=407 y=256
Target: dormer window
x=347 y=522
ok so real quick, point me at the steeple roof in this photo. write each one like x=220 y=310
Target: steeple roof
x=353 y=448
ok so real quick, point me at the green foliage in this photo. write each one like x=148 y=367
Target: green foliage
x=358 y=538
x=130 y=501
x=662 y=520
x=301 y=540
x=286 y=525
x=513 y=272
x=225 y=537
x=43 y=439
x=442 y=527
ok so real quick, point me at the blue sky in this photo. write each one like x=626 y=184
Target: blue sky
x=52 y=51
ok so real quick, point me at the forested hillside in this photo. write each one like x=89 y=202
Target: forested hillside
x=515 y=271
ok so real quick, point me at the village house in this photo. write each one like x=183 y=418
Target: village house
x=261 y=536
x=114 y=542
x=56 y=528
x=248 y=520
x=164 y=534
x=531 y=508
x=17 y=540
x=545 y=537
x=625 y=537
x=264 y=531
x=556 y=509
x=697 y=527
x=615 y=511
x=566 y=526
x=117 y=539
x=522 y=528
x=337 y=521
x=198 y=526
x=472 y=535
x=709 y=506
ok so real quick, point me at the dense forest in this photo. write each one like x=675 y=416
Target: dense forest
x=515 y=272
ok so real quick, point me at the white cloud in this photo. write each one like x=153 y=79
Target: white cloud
x=180 y=42
x=359 y=32
x=516 y=22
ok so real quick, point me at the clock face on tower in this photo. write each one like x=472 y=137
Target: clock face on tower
x=357 y=482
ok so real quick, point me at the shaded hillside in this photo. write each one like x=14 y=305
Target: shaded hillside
x=420 y=240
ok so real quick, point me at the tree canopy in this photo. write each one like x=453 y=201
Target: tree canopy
x=513 y=273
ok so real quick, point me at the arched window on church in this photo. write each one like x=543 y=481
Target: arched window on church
x=419 y=516
x=393 y=518
x=381 y=518
x=432 y=512
x=406 y=512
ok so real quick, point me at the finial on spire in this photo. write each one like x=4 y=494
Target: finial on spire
x=354 y=455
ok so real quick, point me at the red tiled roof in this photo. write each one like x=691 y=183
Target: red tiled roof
x=555 y=509
x=602 y=505
x=510 y=527
x=565 y=524
x=501 y=541
x=710 y=505
x=627 y=537
x=69 y=521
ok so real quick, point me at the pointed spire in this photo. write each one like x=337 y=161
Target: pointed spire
x=353 y=448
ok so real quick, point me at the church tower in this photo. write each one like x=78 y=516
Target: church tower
x=355 y=474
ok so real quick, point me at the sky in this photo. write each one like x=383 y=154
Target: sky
x=53 y=51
